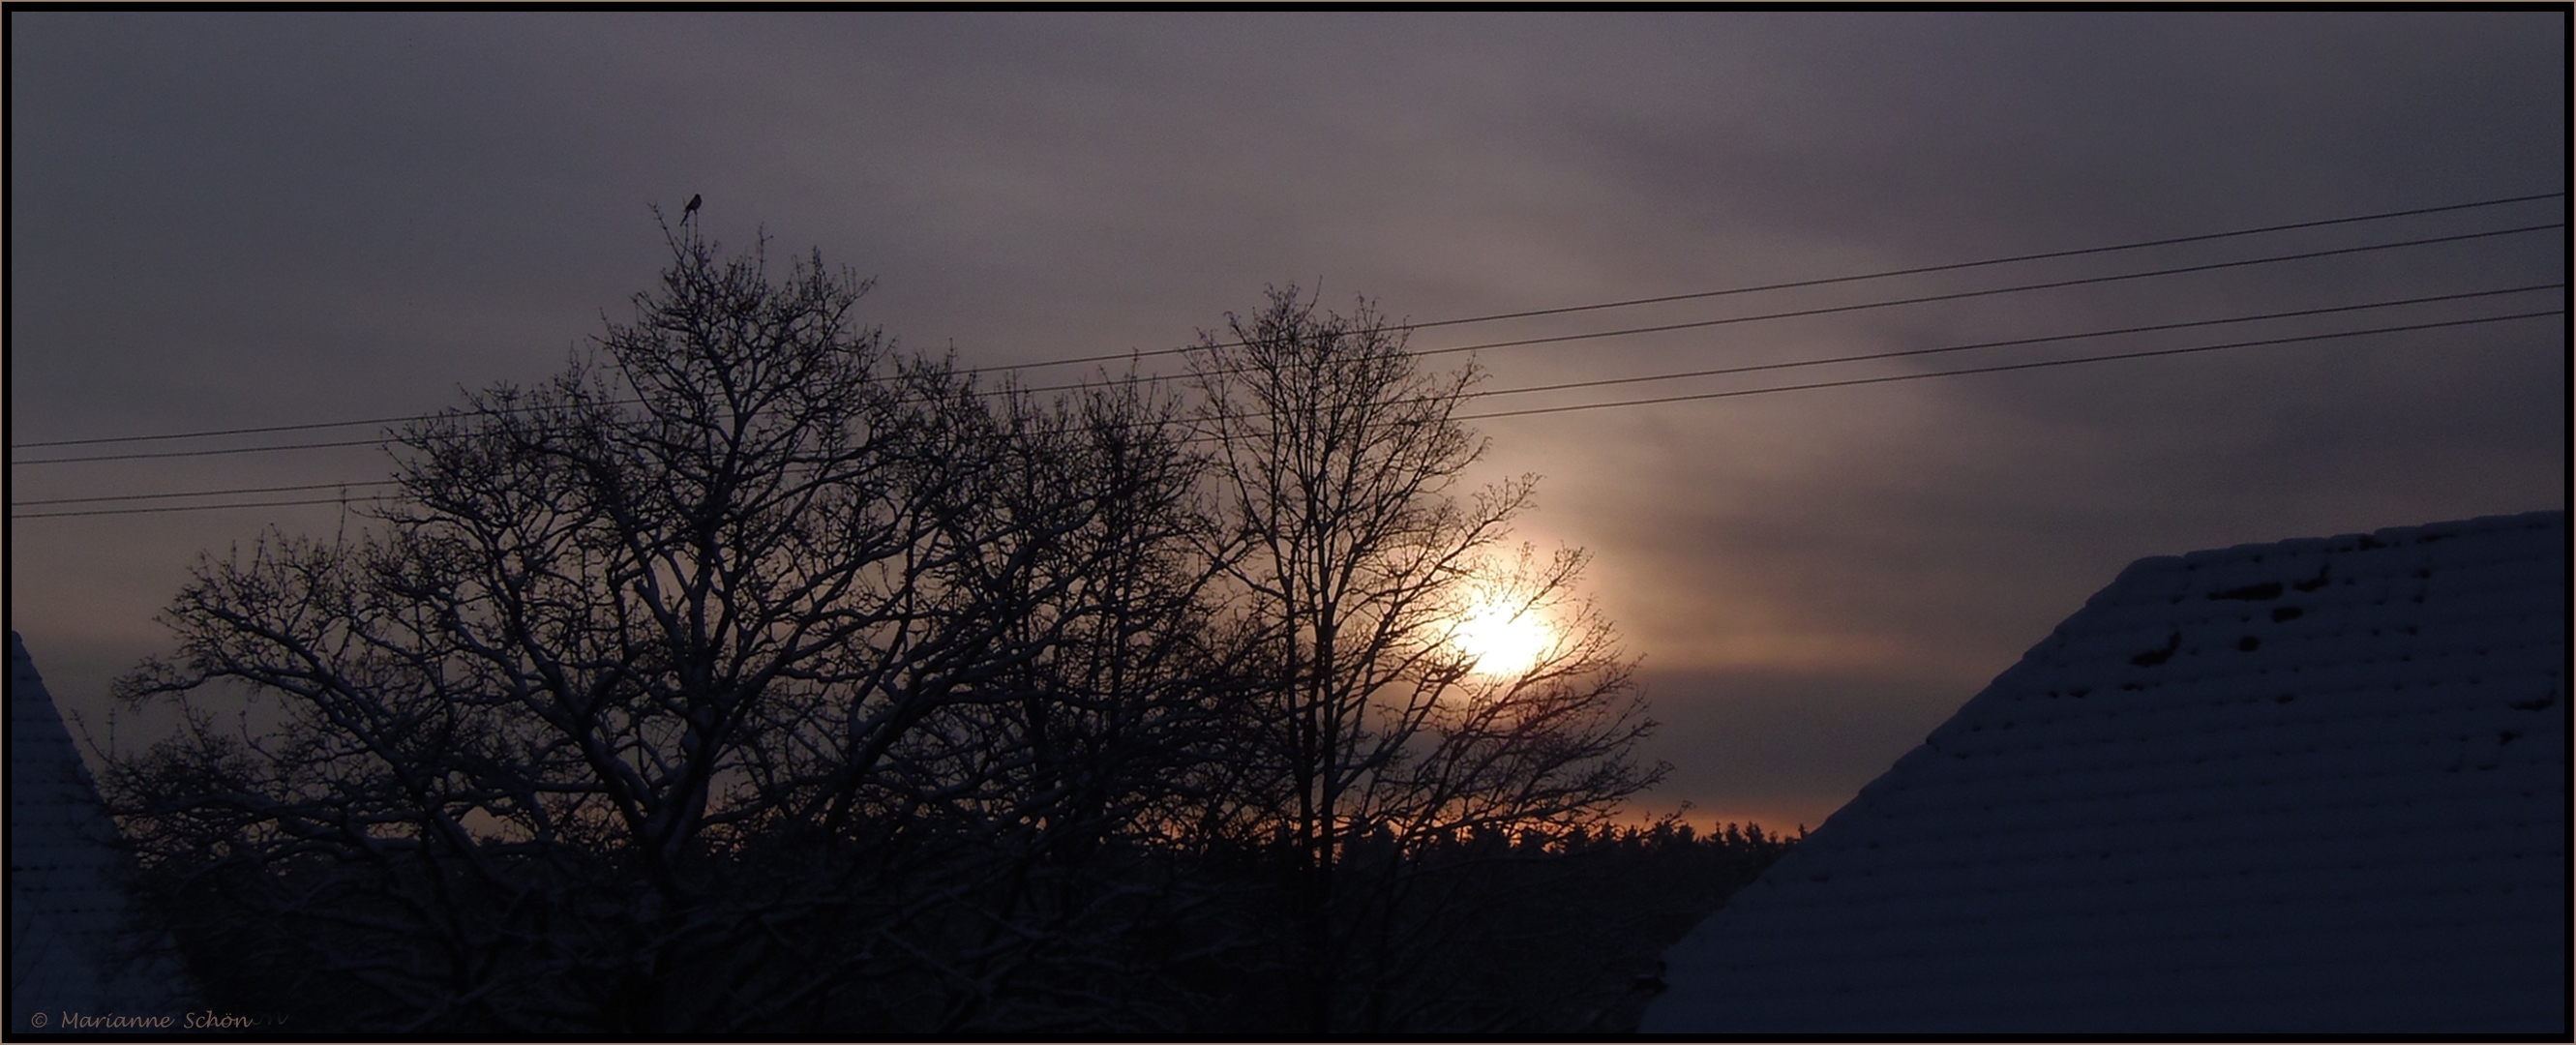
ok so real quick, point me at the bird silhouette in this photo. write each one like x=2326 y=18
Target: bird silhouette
x=692 y=208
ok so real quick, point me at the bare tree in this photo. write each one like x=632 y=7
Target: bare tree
x=1357 y=560
x=745 y=674
x=752 y=676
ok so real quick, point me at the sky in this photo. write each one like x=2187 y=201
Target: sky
x=242 y=219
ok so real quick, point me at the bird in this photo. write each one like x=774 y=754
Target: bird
x=692 y=208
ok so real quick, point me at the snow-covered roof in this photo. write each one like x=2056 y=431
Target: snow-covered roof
x=73 y=945
x=2314 y=786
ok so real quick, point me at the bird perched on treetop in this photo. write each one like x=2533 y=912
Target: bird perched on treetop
x=692 y=208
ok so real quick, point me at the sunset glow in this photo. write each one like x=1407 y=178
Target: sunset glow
x=1505 y=640
x=1178 y=524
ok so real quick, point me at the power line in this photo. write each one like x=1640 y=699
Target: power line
x=196 y=507
x=1904 y=353
x=208 y=493
x=1733 y=393
x=2203 y=237
x=1563 y=386
x=1960 y=295
x=259 y=430
x=1800 y=313
x=2152 y=353
x=1553 y=339
x=1886 y=274
x=1492 y=317
x=198 y=453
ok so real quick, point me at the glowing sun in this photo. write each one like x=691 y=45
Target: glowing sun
x=1503 y=640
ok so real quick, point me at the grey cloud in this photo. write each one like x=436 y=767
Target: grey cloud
x=232 y=218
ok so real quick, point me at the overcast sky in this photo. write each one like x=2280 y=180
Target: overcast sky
x=230 y=220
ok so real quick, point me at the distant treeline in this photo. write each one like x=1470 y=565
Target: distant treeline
x=1477 y=938
x=752 y=677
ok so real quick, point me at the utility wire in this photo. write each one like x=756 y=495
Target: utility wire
x=1828 y=310
x=198 y=507
x=1795 y=363
x=208 y=493
x=2152 y=353
x=1733 y=393
x=1554 y=339
x=1886 y=274
x=1492 y=317
x=1954 y=266
x=1949 y=297
x=261 y=429
x=1562 y=386
x=199 y=453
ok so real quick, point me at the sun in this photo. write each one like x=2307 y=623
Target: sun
x=1504 y=640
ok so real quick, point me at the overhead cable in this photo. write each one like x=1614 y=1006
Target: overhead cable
x=1521 y=342
x=1527 y=313
x=1728 y=394
x=207 y=493
x=2034 y=365
x=1904 y=353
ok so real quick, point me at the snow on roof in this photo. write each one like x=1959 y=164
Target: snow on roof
x=72 y=942
x=2315 y=786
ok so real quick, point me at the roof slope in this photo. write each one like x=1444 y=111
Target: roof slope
x=72 y=947
x=2313 y=786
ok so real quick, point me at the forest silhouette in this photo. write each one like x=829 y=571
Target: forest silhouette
x=754 y=676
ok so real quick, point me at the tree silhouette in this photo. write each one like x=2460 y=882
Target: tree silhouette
x=753 y=676
x=740 y=590
x=1355 y=562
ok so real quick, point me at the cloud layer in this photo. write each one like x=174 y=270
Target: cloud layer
x=225 y=220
